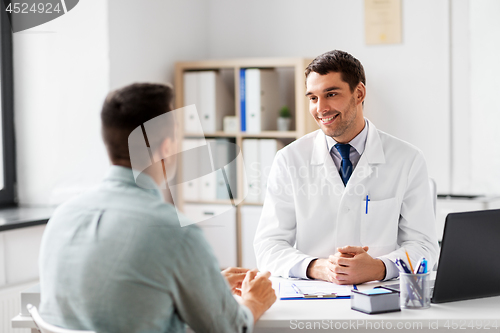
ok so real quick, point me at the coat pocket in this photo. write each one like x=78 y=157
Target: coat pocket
x=379 y=223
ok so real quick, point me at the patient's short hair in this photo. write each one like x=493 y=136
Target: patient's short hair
x=129 y=107
x=341 y=62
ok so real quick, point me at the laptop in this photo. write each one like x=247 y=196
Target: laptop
x=468 y=264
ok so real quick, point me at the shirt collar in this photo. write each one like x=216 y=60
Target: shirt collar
x=126 y=175
x=359 y=141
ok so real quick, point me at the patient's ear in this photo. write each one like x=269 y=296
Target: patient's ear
x=167 y=148
x=167 y=152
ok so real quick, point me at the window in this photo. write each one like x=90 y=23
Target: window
x=7 y=140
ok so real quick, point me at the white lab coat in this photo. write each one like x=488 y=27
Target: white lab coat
x=308 y=212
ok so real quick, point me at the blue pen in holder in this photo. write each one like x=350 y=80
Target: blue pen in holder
x=415 y=291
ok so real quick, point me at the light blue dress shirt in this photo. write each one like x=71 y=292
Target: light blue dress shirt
x=357 y=147
x=116 y=260
x=358 y=144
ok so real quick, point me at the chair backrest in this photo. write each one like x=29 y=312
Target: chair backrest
x=432 y=185
x=45 y=327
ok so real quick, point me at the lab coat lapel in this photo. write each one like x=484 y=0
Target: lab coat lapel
x=321 y=158
x=373 y=154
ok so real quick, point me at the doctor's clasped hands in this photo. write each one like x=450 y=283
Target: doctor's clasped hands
x=351 y=265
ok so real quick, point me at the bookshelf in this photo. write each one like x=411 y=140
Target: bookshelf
x=291 y=77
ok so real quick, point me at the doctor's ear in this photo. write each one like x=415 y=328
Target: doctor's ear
x=360 y=93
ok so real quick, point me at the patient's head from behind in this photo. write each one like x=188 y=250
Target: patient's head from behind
x=126 y=109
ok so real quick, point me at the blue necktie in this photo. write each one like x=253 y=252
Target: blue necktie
x=346 y=165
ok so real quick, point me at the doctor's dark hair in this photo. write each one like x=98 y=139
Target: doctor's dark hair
x=341 y=62
x=129 y=107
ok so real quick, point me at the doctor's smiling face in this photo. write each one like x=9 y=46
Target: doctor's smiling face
x=337 y=109
x=335 y=85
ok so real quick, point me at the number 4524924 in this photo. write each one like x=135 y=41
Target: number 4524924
x=40 y=7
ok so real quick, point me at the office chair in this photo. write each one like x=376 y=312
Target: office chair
x=44 y=327
x=433 y=187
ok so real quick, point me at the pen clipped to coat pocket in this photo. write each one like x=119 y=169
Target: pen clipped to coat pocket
x=379 y=222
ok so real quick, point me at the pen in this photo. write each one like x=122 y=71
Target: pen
x=402 y=266
x=409 y=261
x=367 y=199
x=398 y=265
x=421 y=267
x=297 y=290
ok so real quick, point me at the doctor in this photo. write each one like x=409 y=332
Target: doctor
x=345 y=201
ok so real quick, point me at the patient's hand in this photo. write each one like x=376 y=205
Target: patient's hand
x=235 y=277
x=257 y=292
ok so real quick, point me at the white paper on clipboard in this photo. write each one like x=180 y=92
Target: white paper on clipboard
x=312 y=288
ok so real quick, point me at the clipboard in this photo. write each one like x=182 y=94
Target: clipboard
x=305 y=289
x=332 y=295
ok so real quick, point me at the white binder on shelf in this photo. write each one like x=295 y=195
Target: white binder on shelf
x=191 y=119
x=267 y=152
x=250 y=216
x=208 y=183
x=207 y=100
x=190 y=188
x=219 y=230
x=207 y=90
x=221 y=191
x=262 y=100
x=252 y=169
x=223 y=155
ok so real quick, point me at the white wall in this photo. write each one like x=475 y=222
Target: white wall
x=61 y=77
x=475 y=86
x=147 y=38
x=461 y=171
x=407 y=84
x=484 y=153
x=64 y=68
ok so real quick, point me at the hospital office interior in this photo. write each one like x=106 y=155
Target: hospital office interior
x=437 y=88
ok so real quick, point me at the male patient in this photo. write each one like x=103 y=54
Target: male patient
x=116 y=258
x=344 y=202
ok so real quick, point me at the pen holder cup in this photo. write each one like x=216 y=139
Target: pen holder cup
x=415 y=291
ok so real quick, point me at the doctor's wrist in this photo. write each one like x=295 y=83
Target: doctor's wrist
x=382 y=271
x=316 y=269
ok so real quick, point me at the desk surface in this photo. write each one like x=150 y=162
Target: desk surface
x=287 y=314
x=294 y=315
x=283 y=311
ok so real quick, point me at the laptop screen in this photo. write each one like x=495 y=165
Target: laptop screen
x=468 y=265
